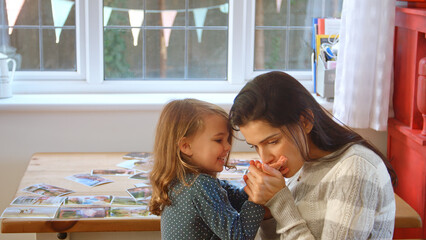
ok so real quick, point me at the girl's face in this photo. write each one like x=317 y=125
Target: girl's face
x=209 y=147
x=271 y=143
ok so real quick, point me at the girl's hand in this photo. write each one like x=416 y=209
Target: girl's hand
x=263 y=182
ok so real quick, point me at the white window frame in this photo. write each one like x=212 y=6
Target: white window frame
x=89 y=77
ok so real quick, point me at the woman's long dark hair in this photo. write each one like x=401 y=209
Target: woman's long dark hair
x=281 y=100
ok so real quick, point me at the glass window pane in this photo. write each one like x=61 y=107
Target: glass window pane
x=302 y=12
x=57 y=12
x=165 y=13
x=291 y=51
x=271 y=13
x=59 y=55
x=208 y=13
x=207 y=56
x=122 y=59
x=165 y=62
x=26 y=44
x=21 y=12
x=333 y=9
x=299 y=49
x=116 y=12
x=269 y=49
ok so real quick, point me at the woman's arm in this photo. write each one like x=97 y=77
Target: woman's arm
x=352 y=195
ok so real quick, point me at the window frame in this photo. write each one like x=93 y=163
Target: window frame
x=89 y=77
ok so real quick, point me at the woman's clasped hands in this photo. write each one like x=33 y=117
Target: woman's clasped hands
x=264 y=181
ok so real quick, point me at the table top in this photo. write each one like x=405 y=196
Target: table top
x=52 y=168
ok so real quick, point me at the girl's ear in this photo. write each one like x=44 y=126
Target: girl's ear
x=185 y=146
x=306 y=123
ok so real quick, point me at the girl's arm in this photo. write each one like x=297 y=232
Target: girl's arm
x=211 y=201
x=236 y=195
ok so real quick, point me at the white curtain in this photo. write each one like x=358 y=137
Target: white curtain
x=364 y=63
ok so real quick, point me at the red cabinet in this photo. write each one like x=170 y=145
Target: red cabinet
x=406 y=144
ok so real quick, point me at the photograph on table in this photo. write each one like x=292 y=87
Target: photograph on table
x=131 y=212
x=116 y=172
x=144 y=176
x=88 y=200
x=38 y=200
x=82 y=212
x=140 y=193
x=127 y=201
x=238 y=162
x=29 y=212
x=88 y=179
x=47 y=190
x=138 y=156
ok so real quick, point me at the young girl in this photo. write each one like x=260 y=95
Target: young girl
x=192 y=143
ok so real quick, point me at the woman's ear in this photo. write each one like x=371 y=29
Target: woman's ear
x=185 y=146
x=307 y=123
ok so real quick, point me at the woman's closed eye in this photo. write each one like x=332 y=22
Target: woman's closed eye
x=252 y=146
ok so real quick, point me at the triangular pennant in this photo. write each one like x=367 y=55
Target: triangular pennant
x=136 y=20
x=199 y=18
x=60 y=11
x=107 y=15
x=13 y=8
x=168 y=17
x=279 y=5
x=224 y=8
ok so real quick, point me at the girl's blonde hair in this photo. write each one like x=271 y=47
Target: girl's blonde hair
x=179 y=119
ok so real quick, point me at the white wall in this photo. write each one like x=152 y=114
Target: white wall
x=23 y=133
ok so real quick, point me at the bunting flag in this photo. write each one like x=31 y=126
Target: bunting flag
x=13 y=8
x=199 y=18
x=107 y=15
x=136 y=20
x=224 y=8
x=168 y=17
x=279 y=5
x=60 y=12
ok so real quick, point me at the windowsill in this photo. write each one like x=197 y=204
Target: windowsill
x=114 y=102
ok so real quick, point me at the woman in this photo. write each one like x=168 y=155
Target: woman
x=338 y=186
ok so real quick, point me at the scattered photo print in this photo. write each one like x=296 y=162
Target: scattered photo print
x=29 y=212
x=117 y=172
x=24 y=200
x=138 y=156
x=81 y=212
x=144 y=176
x=36 y=200
x=240 y=171
x=47 y=190
x=89 y=200
x=88 y=179
x=142 y=184
x=140 y=193
x=134 y=164
x=122 y=200
x=239 y=162
x=128 y=212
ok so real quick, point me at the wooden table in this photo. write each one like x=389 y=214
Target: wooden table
x=52 y=168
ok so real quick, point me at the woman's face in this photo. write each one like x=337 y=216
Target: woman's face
x=271 y=143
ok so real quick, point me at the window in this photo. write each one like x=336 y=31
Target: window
x=40 y=35
x=165 y=39
x=157 y=46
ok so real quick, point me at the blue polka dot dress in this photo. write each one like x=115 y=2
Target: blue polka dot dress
x=209 y=209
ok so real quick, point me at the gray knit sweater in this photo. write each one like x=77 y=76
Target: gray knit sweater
x=344 y=197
